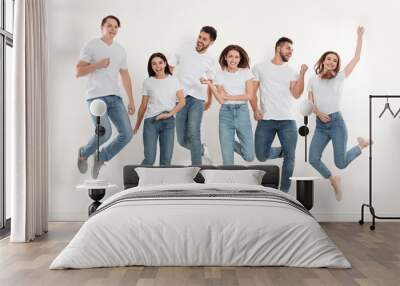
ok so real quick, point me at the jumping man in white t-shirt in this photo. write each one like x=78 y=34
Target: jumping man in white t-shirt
x=279 y=86
x=195 y=66
x=102 y=60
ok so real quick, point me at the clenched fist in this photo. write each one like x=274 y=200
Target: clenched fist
x=303 y=68
x=103 y=63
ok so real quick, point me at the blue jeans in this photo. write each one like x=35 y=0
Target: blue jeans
x=336 y=131
x=188 y=124
x=154 y=130
x=235 y=118
x=287 y=134
x=116 y=112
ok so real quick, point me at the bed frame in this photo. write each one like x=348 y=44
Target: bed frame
x=270 y=179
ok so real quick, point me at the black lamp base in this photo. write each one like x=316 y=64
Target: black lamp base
x=305 y=193
x=96 y=195
x=303 y=130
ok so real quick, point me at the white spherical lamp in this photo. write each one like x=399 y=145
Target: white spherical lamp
x=98 y=107
x=306 y=107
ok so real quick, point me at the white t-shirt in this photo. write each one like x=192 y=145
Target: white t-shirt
x=234 y=83
x=104 y=81
x=327 y=92
x=191 y=67
x=276 y=99
x=161 y=93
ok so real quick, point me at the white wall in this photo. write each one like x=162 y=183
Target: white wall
x=156 y=25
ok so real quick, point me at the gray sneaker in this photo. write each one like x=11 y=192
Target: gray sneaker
x=97 y=164
x=82 y=162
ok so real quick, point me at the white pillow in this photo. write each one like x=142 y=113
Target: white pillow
x=166 y=176
x=248 y=177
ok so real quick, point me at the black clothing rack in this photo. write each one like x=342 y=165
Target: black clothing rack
x=369 y=205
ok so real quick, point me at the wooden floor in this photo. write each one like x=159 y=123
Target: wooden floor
x=374 y=255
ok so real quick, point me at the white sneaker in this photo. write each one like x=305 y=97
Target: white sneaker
x=363 y=142
x=206 y=158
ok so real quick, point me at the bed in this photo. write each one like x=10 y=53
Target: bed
x=201 y=224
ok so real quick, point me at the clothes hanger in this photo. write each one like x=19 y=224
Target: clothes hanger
x=387 y=107
x=397 y=113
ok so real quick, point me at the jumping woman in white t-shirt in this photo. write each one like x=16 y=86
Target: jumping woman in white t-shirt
x=325 y=91
x=233 y=90
x=161 y=91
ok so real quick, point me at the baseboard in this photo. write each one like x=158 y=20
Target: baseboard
x=68 y=216
x=349 y=217
x=321 y=217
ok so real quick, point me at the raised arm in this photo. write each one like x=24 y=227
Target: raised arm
x=297 y=87
x=352 y=64
x=141 y=112
x=126 y=82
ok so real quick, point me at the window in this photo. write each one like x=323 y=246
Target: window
x=6 y=44
x=9 y=17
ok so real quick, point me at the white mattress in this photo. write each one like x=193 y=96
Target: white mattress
x=200 y=231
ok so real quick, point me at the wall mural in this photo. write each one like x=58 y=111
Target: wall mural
x=179 y=91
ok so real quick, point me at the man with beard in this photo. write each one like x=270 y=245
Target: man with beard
x=279 y=85
x=195 y=66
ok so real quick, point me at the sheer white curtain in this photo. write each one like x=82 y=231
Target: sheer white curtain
x=27 y=117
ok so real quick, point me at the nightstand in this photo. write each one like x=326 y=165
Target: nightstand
x=96 y=190
x=305 y=190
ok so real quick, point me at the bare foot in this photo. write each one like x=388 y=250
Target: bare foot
x=363 y=143
x=337 y=187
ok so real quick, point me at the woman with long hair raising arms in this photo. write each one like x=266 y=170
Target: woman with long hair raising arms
x=325 y=92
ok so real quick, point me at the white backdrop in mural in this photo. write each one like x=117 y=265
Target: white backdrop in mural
x=163 y=26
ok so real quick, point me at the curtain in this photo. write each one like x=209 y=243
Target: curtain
x=27 y=148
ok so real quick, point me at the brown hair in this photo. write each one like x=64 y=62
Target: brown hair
x=110 y=17
x=281 y=41
x=319 y=66
x=244 y=58
x=150 y=70
x=211 y=31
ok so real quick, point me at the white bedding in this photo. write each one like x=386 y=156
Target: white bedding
x=200 y=231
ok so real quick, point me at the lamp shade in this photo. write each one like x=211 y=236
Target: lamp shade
x=306 y=107
x=98 y=107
